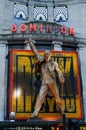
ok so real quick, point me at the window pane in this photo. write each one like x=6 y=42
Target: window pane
x=44 y=45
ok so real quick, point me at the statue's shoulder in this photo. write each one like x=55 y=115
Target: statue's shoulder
x=54 y=62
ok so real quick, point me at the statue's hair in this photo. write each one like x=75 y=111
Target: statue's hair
x=46 y=52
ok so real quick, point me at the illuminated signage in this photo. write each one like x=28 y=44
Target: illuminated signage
x=43 y=28
x=82 y=127
x=25 y=85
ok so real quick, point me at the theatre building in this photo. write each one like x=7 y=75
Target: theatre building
x=55 y=25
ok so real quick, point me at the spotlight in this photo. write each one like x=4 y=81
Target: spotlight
x=12 y=116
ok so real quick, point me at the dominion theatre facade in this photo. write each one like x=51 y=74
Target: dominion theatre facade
x=53 y=25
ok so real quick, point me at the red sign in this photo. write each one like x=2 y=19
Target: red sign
x=43 y=28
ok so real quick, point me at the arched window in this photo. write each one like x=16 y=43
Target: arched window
x=20 y=11
x=60 y=13
x=40 y=13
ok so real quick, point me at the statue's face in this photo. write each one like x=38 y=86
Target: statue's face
x=47 y=56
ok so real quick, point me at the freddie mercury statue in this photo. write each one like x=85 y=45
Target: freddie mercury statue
x=48 y=69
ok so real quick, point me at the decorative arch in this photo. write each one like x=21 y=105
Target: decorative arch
x=61 y=17
x=21 y=15
x=40 y=17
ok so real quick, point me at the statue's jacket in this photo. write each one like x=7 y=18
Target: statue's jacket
x=47 y=70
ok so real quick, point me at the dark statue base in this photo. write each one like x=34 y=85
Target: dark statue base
x=41 y=121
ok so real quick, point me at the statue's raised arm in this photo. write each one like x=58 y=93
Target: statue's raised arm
x=35 y=51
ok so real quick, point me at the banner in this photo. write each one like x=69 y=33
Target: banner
x=25 y=85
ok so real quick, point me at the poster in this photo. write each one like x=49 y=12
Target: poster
x=25 y=85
